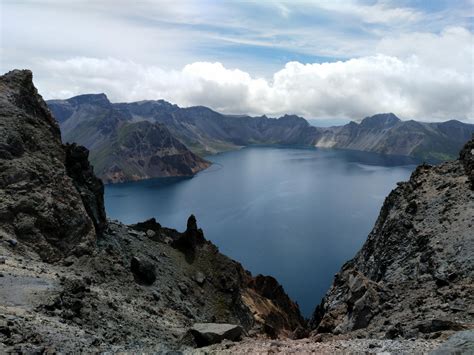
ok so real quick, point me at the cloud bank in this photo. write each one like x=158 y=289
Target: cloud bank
x=419 y=76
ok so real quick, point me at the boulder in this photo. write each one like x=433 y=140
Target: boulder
x=437 y=325
x=459 y=343
x=211 y=333
x=143 y=270
x=199 y=277
x=148 y=225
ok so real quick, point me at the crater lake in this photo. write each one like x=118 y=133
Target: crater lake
x=294 y=213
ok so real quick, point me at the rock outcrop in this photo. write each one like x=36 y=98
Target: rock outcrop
x=414 y=276
x=89 y=186
x=467 y=158
x=41 y=203
x=212 y=333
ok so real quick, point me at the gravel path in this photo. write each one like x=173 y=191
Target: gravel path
x=310 y=346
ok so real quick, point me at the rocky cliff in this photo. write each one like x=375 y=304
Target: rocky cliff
x=414 y=276
x=70 y=280
x=387 y=134
x=34 y=180
x=122 y=149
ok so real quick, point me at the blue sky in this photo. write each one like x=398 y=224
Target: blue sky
x=315 y=58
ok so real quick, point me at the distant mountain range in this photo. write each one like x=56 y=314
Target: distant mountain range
x=122 y=149
x=130 y=141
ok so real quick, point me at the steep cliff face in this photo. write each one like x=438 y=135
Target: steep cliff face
x=122 y=149
x=40 y=202
x=387 y=134
x=70 y=280
x=415 y=273
x=89 y=186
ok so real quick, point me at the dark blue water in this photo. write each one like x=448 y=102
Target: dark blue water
x=296 y=214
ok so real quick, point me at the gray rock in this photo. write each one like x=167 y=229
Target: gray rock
x=3 y=259
x=199 y=277
x=12 y=242
x=211 y=333
x=459 y=343
x=143 y=270
x=48 y=213
x=156 y=295
x=150 y=233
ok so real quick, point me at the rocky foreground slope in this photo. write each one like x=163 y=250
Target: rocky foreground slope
x=414 y=276
x=120 y=149
x=70 y=280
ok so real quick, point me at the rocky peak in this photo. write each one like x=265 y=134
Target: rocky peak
x=40 y=202
x=191 y=239
x=293 y=119
x=381 y=120
x=90 y=99
x=191 y=224
x=20 y=91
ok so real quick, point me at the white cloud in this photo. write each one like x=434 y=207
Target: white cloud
x=378 y=12
x=353 y=88
x=134 y=52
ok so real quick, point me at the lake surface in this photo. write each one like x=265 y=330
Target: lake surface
x=295 y=214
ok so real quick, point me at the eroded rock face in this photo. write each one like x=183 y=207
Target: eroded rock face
x=416 y=263
x=40 y=204
x=467 y=158
x=282 y=315
x=89 y=186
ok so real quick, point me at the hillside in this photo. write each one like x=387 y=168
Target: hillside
x=387 y=134
x=121 y=150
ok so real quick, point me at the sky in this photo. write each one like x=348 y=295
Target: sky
x=319 y=59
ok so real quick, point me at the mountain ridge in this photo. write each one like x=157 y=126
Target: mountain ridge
x=205 y=131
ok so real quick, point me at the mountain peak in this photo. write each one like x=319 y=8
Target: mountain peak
x=380 y=120
x=19 y=75
x=93 y=99
x=293 y=119
x=21 y=90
